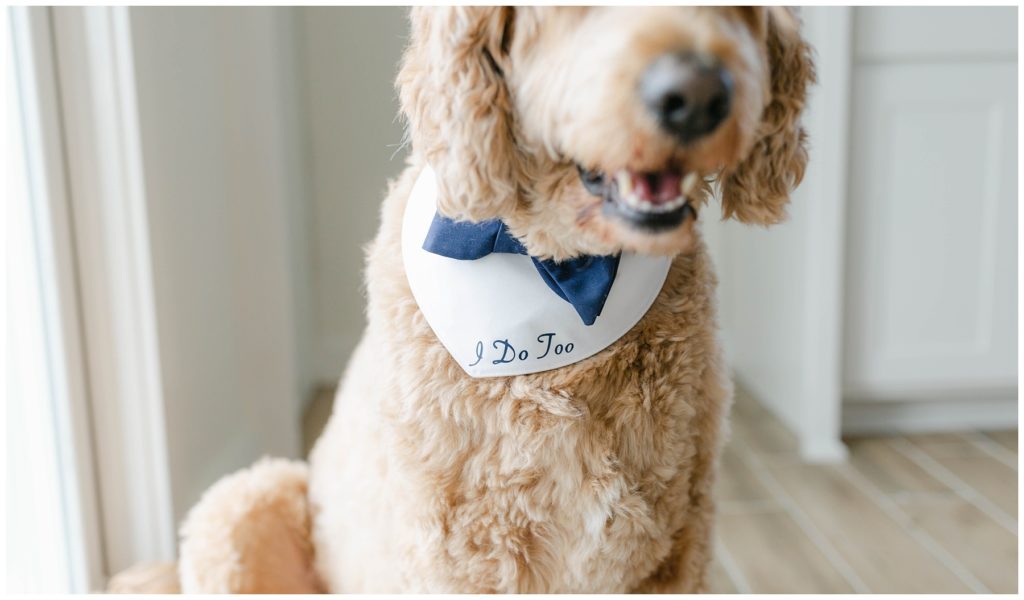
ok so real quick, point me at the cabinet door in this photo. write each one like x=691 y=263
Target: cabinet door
x=934 y=33
x=931 y=288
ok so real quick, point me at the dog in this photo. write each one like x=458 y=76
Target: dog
x=582 y=132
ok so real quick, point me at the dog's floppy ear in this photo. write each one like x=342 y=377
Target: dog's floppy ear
x=458 y=109
x=757 y=189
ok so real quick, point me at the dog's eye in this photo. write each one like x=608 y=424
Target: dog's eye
x=593 y=181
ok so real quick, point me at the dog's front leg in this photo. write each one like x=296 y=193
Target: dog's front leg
x=685 y=569
x=250 y=533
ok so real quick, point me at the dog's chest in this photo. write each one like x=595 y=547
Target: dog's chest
x=531 y=486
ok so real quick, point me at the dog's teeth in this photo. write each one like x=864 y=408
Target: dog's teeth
x=629 y=197
x=689 y=183
x=671 y=205
x=625 y=183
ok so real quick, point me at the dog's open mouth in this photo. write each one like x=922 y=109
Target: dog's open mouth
x=653 y=201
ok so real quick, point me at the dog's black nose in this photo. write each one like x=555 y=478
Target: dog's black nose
x=689 y=94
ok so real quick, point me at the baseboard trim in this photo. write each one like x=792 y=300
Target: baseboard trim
x=925 y=416
x=823 y=452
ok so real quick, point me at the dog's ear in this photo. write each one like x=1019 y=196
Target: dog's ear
x=458 y=109
x=757 y=189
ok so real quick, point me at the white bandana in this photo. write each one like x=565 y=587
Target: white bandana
x=497 y=317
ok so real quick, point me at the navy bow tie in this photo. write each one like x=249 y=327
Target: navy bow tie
x=583 y=282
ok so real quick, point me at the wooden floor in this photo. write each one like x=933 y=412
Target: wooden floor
x=918 y=513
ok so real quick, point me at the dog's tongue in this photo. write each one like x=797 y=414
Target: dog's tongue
x=658 y=187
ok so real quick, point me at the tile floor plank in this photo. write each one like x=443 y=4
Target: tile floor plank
x=736 y=482
x=992 y=448
x=987 y=476
x=775 y=555
x=719 y=581
x=884 y=555
x=1006 y=439
x=947 y=442
x=889 y=470
x=990 y=478
x=970 y=536
x=763 y=432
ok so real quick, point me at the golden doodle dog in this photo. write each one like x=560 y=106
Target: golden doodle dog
x=587 y=132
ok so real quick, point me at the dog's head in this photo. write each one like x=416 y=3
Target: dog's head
x=595 y=130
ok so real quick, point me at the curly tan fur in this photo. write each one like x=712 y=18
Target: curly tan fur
x=459 y=111
x=595 y=477
x=250 y=533
x=757 y=189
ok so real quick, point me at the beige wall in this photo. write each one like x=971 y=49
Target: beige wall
x=268 y=136
x=219 y=143
x=348 y=58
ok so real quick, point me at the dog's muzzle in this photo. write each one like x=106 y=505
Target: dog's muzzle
x=689 y=94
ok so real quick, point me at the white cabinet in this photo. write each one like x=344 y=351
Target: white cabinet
x=888 y=300
x=951 y=34
x=931 y=255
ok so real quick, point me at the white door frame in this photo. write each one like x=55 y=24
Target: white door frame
x=115 y=284
x=49 y=203
x=75 y=78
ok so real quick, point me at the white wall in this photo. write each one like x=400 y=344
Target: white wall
x=220 y=147
x=348 y=58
